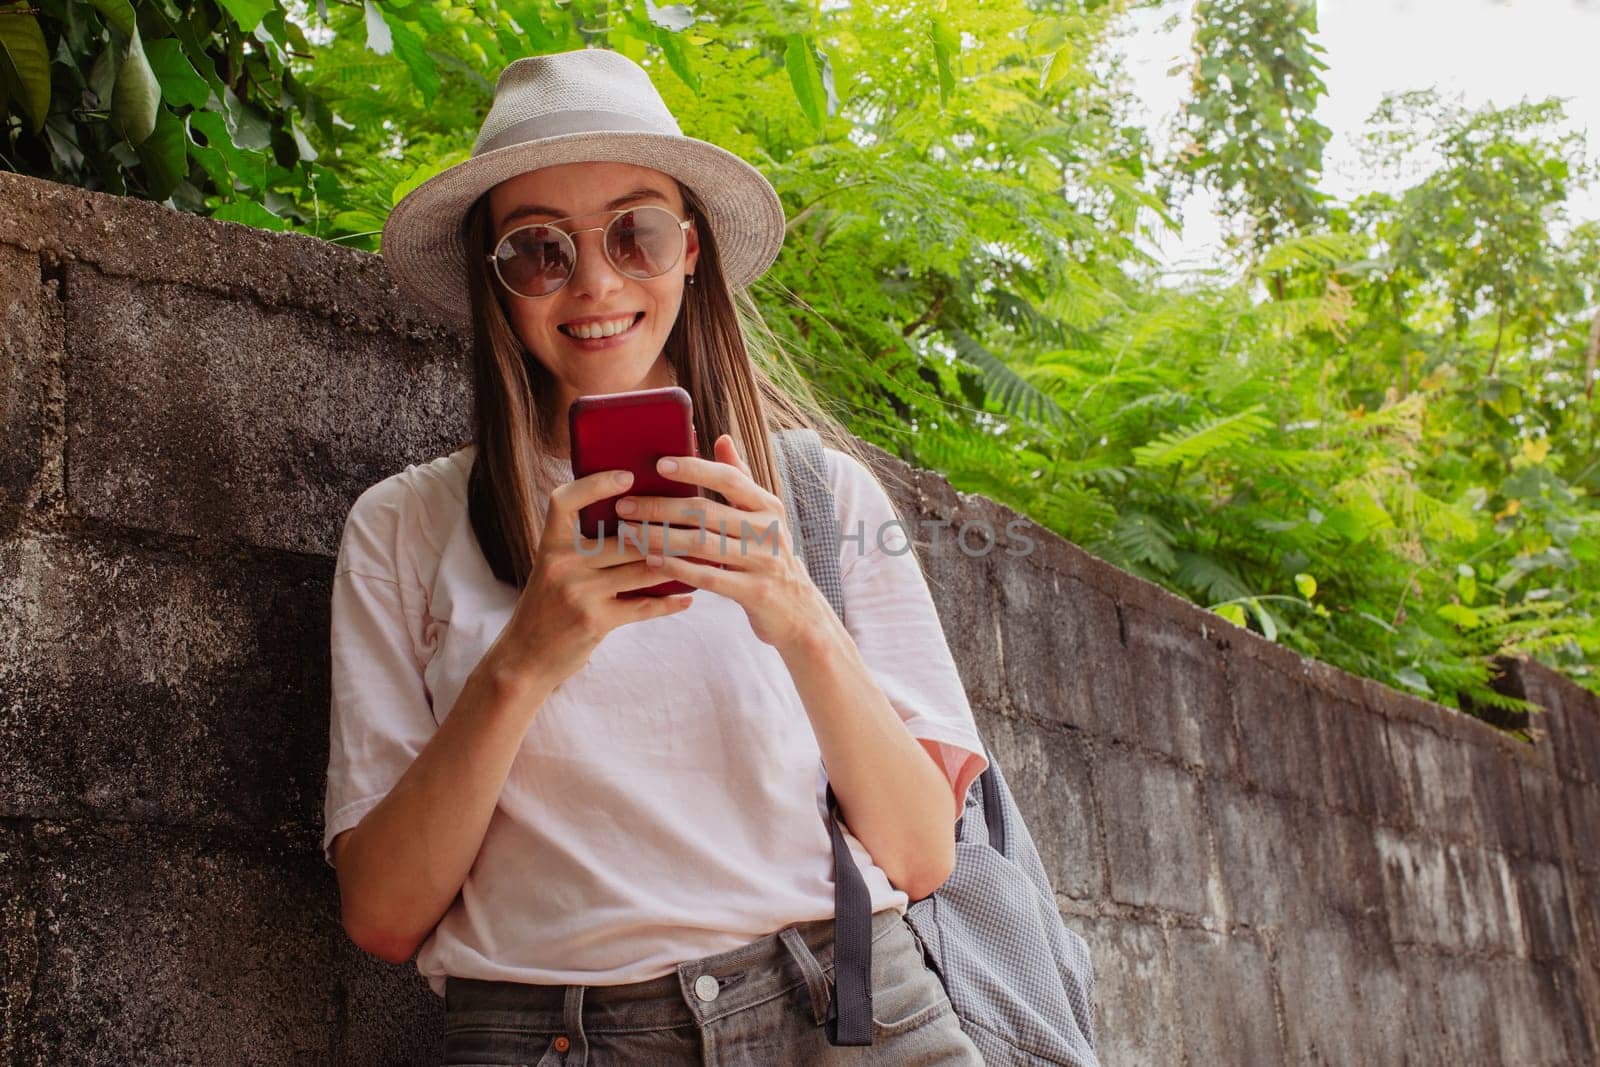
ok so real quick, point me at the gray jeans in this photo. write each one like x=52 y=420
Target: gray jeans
x=762 y=1003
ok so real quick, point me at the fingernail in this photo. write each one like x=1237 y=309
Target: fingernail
x=624 y=477
x=667 y=465
x=626 y=507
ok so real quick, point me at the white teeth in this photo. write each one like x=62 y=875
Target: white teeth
x=590 y=330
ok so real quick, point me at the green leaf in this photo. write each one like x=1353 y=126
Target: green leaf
x=1212 y=578
x=1349 y=524
x=248 y=13
x=1144 y=537
x=678 y=59
x=1306 y=584
x=1234 y=613
x=251 y=214
x=358 y=222
x=247 y=127
x=427 y=170
x=60 y=134
x=623 y=38
x=195 y=49
x=1466 y=583
x=25 y=59
x=1059 y=67
x=1269 y=625
x=946 y=45
x=1503 y=396
x=1016 y=394
x=302 y=144
x=1320 y=251
x=1460 y=614
x=164 y=155
x=408 y=46
x=119 y=14
x=209 y=157
x=136 y=97
x=806 y=78
x=181 y=84
x=1204 y=438
x=247 y=167
x=1413 y=678
x=103 y=74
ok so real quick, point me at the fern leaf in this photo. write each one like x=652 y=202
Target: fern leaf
x=1317 y=251
x=1209 y=577
x=1208 y=437
x=1144 y=537
x=1016 y=395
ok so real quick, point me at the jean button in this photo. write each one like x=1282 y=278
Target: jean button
x=562 y=1044
x=706 y=987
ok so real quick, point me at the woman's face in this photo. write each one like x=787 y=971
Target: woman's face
x=596 y=292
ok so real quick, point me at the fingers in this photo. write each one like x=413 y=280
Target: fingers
x=702 y=522
x=562 y=526
x=637 y=575
x=626 y=576
x=568 y=499
x=729 y=479
x=723 y=449
x=757 y=539
x=687 y=511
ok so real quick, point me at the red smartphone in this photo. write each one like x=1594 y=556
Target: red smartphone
x=631 y=431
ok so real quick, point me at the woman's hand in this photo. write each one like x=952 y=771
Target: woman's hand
x=761 y=571
x=570 y=602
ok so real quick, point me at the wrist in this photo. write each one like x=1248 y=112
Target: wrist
x=517 y=684
x=822 y=636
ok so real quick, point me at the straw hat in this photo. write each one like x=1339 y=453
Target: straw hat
x=585 y=105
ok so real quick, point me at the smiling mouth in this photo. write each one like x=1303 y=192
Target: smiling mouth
x=567 y=330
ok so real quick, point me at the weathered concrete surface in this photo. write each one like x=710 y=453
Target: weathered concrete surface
x=1273 y=861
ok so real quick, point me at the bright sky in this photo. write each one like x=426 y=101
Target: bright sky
x=1490 y=51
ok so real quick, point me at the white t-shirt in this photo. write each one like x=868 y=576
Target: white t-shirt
x=668 y=799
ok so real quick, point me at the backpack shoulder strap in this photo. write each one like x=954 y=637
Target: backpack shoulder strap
x=814 y=524
x=814 y=527
x=808 y=501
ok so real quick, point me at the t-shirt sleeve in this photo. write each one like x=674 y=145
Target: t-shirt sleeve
x=890 y=613
x=380 y=714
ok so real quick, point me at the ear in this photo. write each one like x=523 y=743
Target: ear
x=691 y=245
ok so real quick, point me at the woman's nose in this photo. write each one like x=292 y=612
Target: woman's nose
x=593 y=274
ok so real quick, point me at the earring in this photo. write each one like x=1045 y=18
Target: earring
x=690 y=279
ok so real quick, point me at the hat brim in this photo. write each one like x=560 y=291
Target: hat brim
x=423 y=244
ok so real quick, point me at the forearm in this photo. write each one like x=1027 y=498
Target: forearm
x=892 y=794
x=402 y=866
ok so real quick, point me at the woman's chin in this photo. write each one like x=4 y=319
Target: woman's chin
x=613 y=380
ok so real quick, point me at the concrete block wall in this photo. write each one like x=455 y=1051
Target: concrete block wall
x=1273 y=861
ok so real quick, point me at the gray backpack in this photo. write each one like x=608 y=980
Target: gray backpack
x=1021 y=983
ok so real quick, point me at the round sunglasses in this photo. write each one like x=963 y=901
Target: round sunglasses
x=640 y=242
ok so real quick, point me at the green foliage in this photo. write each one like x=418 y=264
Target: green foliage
x=1377 y=447
x=156 y=101
x=1481 y=231
x=1251 y=116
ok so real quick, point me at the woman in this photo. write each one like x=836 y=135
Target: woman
x=601 y=820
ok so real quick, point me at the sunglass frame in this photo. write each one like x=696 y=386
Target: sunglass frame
x=571 y=239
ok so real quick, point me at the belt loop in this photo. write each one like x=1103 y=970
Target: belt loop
x=572 y=1019
x=815 y=980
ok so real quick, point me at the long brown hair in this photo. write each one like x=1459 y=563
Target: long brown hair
x=720 y=350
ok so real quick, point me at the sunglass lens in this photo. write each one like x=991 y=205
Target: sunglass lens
x=536 y=260
x=644 y=242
